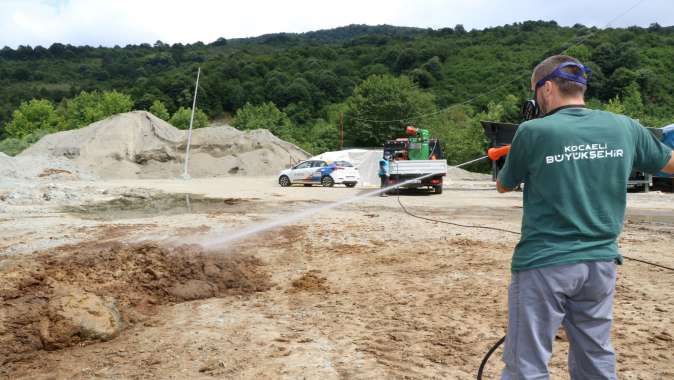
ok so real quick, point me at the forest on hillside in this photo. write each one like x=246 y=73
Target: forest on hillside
x=373 y=80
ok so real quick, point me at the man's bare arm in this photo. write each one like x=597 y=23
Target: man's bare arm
x=502 y=189
x=669 y=168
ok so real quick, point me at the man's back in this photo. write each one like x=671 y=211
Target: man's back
x=575 y=165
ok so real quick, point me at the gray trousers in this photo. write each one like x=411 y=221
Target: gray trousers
x=577 y=296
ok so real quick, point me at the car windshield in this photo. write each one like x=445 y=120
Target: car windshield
x=345 y=164
x=306 y=164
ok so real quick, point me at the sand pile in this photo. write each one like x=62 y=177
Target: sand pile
x=51 y=168
x=139 y=145
x=458 y=174
x=224 y=150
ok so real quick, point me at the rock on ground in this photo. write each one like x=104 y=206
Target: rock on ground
x=79 y=316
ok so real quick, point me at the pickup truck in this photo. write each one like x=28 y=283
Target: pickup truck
x=405 y=170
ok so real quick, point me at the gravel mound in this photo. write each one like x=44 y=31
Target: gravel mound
x=50 y=168
x=140 y=145
x=458 y=174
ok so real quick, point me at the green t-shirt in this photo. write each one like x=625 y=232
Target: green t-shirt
x=575 y=165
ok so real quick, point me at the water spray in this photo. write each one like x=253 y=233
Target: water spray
x=213 y=243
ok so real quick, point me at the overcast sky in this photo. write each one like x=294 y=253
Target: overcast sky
x=121 y=22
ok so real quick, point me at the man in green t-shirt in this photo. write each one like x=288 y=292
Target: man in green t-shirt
x=575 y=163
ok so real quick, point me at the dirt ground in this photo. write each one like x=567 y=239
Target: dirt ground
x=361 y=291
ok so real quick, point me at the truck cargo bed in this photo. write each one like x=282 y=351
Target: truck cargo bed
x=418 y=167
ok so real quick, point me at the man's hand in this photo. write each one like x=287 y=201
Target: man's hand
x=669 y=168
x=495 y=154
x=502 y=189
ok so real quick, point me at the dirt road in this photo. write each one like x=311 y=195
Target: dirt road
x=362 y=291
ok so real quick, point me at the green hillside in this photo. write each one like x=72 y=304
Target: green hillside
x=310 y=77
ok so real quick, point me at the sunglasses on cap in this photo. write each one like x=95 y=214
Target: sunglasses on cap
x=581 y=77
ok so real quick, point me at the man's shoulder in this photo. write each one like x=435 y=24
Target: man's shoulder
x=536 y=124
x=620 y=124
x=613 y=116
x=527 y=126
x=531 y=128
x=593 y=114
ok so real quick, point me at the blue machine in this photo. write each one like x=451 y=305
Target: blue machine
x=668 y=139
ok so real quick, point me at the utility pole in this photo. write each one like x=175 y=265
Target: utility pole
x=189 y=132
x=341 y=131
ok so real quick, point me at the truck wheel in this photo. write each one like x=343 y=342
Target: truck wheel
x=327 y=181
x=437 y=189
x=284 y=181
x=350 y=184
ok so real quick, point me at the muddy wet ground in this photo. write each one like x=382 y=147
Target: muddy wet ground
x=139 y=277
x=131 y=206
x=363 y=291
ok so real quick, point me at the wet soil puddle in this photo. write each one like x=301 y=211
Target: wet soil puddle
x=658 y=217
x=131 y=206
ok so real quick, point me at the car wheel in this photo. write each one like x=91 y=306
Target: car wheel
x=327 y=181
x=437 y=189
x=284 y=181
x=350 y=184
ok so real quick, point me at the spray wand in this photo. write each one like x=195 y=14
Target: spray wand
x=493 y=154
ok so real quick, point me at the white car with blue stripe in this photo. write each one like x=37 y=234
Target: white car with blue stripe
x=319 y=172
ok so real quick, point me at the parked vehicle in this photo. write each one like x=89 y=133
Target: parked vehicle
x=416 y=156
x=408 y=170
x=318 y=172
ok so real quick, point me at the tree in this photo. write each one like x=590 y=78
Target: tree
x=381 y=107
x=13 y=145
x=621 y=79
x=265 y=116
x=113 y=102
x=181 y=118
x=219 y=42
x=32 y=116
x=512 y=109
x=615 y=105
x=323 y=136
x=233 y=96
x=606 y=56
x=298 y=91
x=580 y=52
x=422 y=77
x=159 y=110
x=434 y=67
x=406 y=60
x=89 y=107
x=460 y=133
x=634 y=105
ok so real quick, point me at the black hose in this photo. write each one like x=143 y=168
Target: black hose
x=452 y=223
x=486 y=357
x=649 y=263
